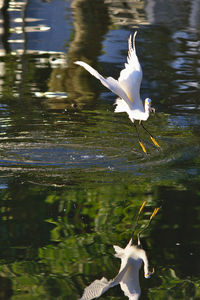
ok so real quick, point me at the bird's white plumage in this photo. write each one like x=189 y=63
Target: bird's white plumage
x=96 y=289
x=131 y=76
x=132 y=258
x=127 y=87
x=109 y=82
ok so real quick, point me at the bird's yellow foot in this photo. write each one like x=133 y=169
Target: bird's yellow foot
x=154 y=212
x=142 y=206
x=143 y=147
x=154 y=141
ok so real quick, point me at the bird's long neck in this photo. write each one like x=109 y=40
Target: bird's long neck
x=146 y=110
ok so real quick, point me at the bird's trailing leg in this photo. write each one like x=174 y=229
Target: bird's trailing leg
x=140 y=142
x=151 y=136
x=151 y=217
x=137 y=219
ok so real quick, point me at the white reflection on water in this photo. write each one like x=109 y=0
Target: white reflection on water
x=132 y=258
x=43 y=33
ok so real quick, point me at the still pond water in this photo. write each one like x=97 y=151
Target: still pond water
x=72 y=174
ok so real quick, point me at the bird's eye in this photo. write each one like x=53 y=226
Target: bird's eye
x=148 y=100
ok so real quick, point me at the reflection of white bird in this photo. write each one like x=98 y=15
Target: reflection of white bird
x=127 y=87
x=128 y=277
x=132 y=258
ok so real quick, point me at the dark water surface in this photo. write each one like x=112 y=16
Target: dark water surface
x=72 y=174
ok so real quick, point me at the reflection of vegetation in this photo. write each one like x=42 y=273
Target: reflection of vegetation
x=9 y=76
x=90 y=23
x=25 y=74
x=55 y=242
x=173 y=287
x=22 y=76
x=127 y=13
x=82 y=228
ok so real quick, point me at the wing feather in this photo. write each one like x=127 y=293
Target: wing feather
x=108 y=82
x=99 y=287
x=96 y=289
x=131 y=76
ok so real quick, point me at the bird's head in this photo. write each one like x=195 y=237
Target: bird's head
x=147 y=104
x=148 y=274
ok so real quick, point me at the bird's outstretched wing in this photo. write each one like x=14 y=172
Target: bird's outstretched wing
x=131 y=76
x=96 y=289
x=100 y=286
x=128 y=276
x=108 y=82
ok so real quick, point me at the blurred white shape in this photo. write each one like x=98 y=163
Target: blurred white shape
x=16 y=41
x=20 y=29
x=20 y=20
x=59 y=60
x=57 y=95
x=132 y=258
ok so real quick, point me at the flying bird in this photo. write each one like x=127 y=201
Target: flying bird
x=127 y=88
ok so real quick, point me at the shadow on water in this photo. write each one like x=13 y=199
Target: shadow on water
x=72 y=175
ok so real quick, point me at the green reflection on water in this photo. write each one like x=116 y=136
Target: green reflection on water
x=54 y=242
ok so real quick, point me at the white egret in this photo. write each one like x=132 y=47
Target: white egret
x=127 y=87
x=132 y=257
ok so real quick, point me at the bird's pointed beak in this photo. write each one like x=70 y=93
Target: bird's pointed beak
x=148 y=275
x=155 y=143
x=143 y=147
